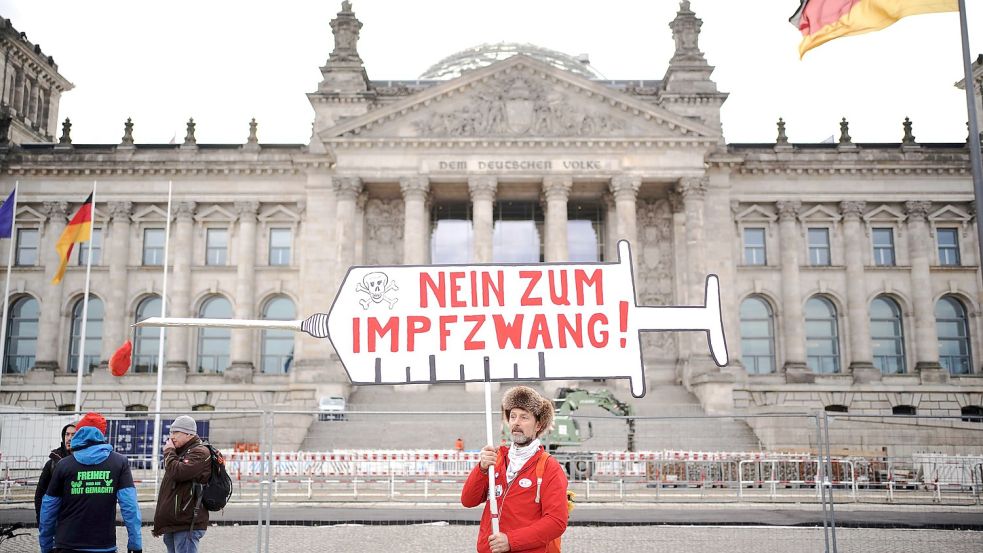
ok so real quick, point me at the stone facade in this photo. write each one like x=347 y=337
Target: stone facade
x=255 y=223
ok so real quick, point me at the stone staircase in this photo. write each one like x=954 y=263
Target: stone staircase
x=381 y=417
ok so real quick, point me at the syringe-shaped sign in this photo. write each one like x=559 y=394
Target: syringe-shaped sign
x=471 y=323
x=489 y=322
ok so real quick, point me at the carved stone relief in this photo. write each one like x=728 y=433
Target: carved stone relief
x=384 y=230
x=655 y=270
x=519 y=105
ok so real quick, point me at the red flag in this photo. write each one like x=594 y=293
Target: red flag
x=119 y=363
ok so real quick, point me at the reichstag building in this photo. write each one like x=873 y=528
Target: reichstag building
x=850 y=271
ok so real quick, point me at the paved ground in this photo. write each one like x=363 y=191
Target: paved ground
x=803 y=515
x=444 y=538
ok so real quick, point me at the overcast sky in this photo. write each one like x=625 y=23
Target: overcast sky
x=226 y=61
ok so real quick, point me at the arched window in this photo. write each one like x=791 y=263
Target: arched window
x=887 y=335
x=278 y=345
x=146 y=340
x=22 y=335
x=822 y=336
x=93 y=335
x=213 y=343
x=952 y=327
x=757 y=336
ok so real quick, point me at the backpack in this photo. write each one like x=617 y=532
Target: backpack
x=216 y=492
x=553 y=546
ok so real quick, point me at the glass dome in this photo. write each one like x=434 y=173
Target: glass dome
x=455 y=65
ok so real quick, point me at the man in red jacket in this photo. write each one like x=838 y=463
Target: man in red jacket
x=532 y=512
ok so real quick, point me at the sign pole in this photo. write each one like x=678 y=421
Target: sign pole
x=492 y=502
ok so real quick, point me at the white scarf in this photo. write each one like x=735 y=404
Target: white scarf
x=518 y=457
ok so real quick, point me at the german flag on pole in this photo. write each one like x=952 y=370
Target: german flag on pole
x=823 y=20
x=79 y=229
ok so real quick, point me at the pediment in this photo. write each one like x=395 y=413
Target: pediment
x=215 y=213
x=149 y=213
x=28 y=213
x=884 y=213
x=820 y=213
x=520 y=98
x=756 y=213
x=950 y=212
x=279 y=212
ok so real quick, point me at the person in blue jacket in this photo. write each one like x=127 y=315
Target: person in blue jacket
x=78 y=511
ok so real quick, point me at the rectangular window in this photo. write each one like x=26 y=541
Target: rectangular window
x=585 y=239
x=216 y=246
x=280 y=242
x=95 y=245
x=451 y=233
x=27 y=247
x=883 y=246
x=754 y=246
x=819 y=247
x=948 y=246
x=153 y=246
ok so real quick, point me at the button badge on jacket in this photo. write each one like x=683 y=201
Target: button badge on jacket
x=525 y=482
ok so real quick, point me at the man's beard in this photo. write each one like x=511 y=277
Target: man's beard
x=520 y=439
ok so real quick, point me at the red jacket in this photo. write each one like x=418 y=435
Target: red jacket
x=528 y=525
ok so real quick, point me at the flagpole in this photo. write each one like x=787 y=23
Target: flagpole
x=974 y=130
x=6 y=289
x=80 y=369
x=155 y=462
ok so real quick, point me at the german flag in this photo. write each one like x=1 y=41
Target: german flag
x=823 y=20
x=79 y=229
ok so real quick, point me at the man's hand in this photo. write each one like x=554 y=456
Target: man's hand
x=168 y=445
x=487 y=458
x=499 y=543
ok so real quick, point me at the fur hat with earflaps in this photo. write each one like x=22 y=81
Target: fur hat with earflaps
x=524 y=397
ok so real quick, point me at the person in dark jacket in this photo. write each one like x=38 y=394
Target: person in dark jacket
x=187 y=466
x=57 y=454
x=78 y=511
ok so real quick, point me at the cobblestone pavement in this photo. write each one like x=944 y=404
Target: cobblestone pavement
x=443 y=538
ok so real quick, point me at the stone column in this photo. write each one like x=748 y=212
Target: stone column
x=624 y=188
x=483 y=188
x=360 y=202
x=179 y=296
x=317 y=264
x=117 y=241
x=46 y=359
x=862 y=360
x=415 y=191
x=926 y=335
x=556 y=189
x=693 y=192
x=793 y=322
x=610 y=227
x=346 y=190
x=243 y=340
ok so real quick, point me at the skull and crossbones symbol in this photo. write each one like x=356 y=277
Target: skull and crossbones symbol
x=377 y=286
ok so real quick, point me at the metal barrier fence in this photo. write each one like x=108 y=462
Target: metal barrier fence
x=821 y=460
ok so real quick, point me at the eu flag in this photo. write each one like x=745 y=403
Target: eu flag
x=7 y=215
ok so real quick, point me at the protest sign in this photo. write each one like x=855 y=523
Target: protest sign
x=472 y=323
